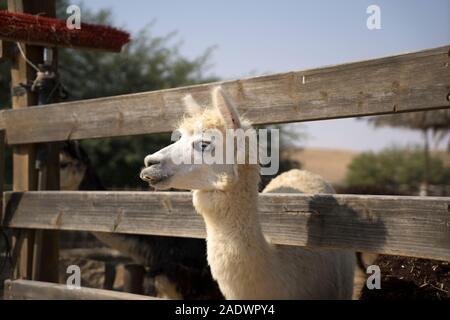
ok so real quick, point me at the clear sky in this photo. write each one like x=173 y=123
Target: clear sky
x=253 y=37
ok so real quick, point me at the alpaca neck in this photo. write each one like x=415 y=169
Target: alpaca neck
x=238 y=253
x=233 y=214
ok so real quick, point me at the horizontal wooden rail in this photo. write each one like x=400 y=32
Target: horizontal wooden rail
x=97 y=254
x=407 y=82
x=36 y=290
x=411 y=226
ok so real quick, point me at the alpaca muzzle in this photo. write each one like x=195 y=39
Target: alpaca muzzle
x=152 y=175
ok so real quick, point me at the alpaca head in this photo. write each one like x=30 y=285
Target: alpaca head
x=198 y=159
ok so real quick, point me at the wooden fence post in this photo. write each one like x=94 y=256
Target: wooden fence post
x=24 y=157
x=133 y=278
x=2 y=169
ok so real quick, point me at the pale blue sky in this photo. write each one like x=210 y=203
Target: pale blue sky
x=256 y=37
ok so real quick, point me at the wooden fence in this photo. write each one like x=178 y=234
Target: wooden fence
x=412 y=226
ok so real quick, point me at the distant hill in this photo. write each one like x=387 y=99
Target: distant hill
x=332 y=163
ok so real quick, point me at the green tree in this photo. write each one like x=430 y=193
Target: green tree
x=395 y=168
x=436 y=121
x=148 y=63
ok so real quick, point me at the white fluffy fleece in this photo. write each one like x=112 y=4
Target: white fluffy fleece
x=247 y=266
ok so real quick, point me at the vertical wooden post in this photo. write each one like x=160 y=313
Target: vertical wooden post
x=110 y=275
x=24 y=174
x=5 y=50
x=133 y=278
x=2 y=170
x=2 y=183
x=24 y=159
x=46 y=245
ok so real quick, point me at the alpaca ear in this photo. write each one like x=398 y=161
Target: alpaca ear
x=192 y=107
x=226 y=107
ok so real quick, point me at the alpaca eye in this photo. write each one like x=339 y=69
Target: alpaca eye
x=202 y=145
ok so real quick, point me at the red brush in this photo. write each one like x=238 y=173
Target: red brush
x=52 y=32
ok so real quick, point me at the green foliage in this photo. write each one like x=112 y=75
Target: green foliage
x=393 y=168
x=147 y=63
x=118 y=161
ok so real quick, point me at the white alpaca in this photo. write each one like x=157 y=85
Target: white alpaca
x=244 y=263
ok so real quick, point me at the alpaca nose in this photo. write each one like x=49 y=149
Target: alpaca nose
x=146 y=175
x=150 y=160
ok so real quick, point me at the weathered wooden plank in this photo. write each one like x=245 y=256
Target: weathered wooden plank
x=408 y=82
x=413 y=226
x=36 y=290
